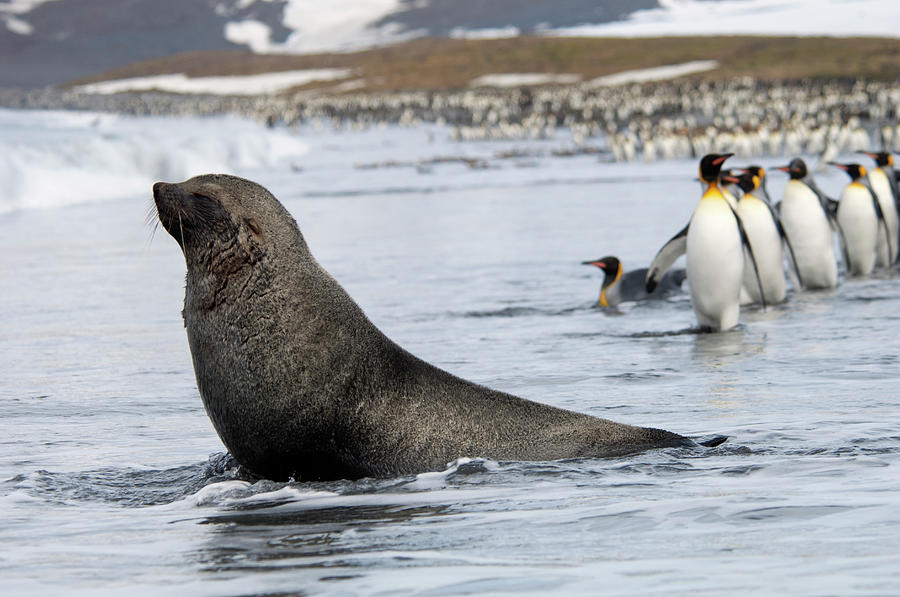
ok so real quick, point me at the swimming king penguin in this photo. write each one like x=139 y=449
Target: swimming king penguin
x=761 y=226
x=619 y=287
x=859 y=215
x=805 y=216
x=714 y=241
x=884 y=185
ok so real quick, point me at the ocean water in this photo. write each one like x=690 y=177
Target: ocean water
x=112 y=480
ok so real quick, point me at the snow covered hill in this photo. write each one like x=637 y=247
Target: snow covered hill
x=46 y=42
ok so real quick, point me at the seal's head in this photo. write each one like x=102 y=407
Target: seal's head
x=230 y=230
x=216 y=215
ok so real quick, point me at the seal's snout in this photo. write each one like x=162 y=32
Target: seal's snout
x=169 y=209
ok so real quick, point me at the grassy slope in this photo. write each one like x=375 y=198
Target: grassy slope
x=437 y=63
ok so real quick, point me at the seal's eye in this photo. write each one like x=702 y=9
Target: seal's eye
x=253 y=226
x=202 y=197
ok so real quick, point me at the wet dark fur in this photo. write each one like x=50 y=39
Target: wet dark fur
x=299 y=383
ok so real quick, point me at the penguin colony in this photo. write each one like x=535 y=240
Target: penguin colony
x=737 y=241
x=652 y=121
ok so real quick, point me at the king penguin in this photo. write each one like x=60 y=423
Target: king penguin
x=807 y=225
x=761 y=226
x=884 y=185
x=859 y=215
x=761 y=192
x=713 y=241
x=619 y=287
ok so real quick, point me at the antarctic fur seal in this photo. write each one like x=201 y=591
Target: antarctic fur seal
x=300 y=384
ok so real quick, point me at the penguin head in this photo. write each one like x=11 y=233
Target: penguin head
x=855 y=171
x=711 y=166
x=882 y=158
x=611 y=266
x=757 y=171
x=747 y=182
x=797 y=169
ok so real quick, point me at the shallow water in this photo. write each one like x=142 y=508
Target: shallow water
x=112 y=479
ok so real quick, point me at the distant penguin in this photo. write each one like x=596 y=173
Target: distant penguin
x=859 y=215
x=714 y=241
x=620 y=287
x=884 y=185
x=806 y=219
x=761 y=225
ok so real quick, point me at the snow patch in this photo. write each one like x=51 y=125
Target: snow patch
x=18 y=7
x=495 y=33
x=255 y=35
x=235 y=85
x=837 y=18
x=18 y=25
x=520 y=79
x=659 y=73
x=345 y=25
x=11 y=8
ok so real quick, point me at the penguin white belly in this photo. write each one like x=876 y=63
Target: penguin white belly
x=810 y=235
x=886 y=252
x=715 y=265
x=766 y=243
x=857 y=218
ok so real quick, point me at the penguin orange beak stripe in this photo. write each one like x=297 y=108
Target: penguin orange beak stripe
x=722 y=158
x=841 y=166
x=730 y=179
x=783 y=168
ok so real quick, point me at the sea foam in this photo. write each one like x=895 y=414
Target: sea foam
x=55 y=159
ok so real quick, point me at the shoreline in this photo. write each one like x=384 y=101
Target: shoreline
x=653 y=120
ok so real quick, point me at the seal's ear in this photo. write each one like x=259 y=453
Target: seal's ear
x=253 y=225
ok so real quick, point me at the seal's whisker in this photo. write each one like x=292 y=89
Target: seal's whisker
x=152 y=214
x=152 y=233
x=181 y=239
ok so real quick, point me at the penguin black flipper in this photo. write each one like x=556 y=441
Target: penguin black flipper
x=895 y=187
x=672 y=250
x=840 y=231
x=633 y=284
x=785 y=239
x=830 y=206
x=745 y=240
x=718 y=440
x=880 y=213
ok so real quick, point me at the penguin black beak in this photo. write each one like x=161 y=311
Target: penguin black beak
x=722 y=158
x=595 y=263
x=730 y=179
x=841 y=166
x=870 y=154
x=783 y=168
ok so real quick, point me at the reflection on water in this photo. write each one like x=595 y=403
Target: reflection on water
x=104 y=444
